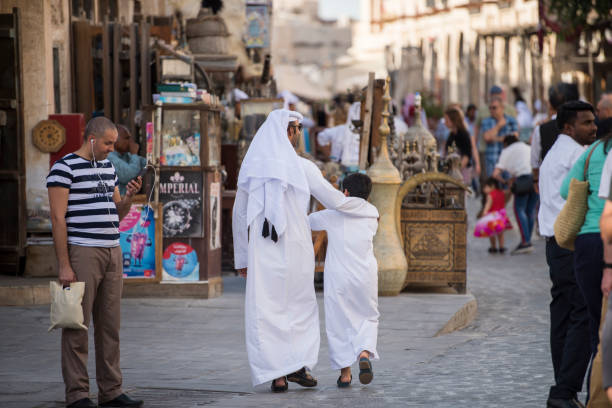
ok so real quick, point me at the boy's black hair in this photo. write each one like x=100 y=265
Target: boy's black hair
x=358 y=185
x=509 y=139
x=492 y=182
x=568 y=112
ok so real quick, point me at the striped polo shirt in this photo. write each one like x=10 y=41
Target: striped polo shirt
x=91 y=216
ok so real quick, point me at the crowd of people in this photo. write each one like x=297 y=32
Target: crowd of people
x=538 y=172
x=272 y=235
x=531 y=159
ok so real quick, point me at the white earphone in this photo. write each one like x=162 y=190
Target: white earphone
x=93 y=160
x=116 y=227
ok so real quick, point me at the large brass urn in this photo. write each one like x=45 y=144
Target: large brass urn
x=388 y=249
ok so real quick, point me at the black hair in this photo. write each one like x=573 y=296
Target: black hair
x=470 y=106
x=358 y=185
x=509 y=139
x=517 y=94
x=321 y=117
x=492 y=182
x=568 y=112
x=562 y=92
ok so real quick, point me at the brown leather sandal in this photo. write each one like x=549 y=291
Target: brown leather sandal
x=303 y=378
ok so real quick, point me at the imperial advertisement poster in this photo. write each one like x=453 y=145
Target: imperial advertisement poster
x=181 y=195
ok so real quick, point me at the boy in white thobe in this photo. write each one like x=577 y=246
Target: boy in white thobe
x=351 y=281
x=273 y=248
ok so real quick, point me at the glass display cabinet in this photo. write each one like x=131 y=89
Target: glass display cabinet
x=186 y=145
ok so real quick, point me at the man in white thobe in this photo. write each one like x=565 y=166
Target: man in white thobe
x=272 y=238
x=344 y=139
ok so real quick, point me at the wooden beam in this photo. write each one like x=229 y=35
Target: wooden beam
x=145 y=65
x=117 y=80
x=367 y=122
x=107 y=72
x=133 y=79
x=83 y=78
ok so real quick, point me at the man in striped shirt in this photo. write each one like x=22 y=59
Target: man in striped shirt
x=86 y=208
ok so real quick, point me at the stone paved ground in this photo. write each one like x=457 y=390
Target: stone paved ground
x=190 y=353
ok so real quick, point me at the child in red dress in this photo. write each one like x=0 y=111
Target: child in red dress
x=494 y=221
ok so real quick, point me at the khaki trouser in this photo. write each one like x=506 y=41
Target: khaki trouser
x=597 y=395
x=102 y=271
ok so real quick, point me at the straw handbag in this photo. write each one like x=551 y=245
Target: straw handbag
x=572 y=215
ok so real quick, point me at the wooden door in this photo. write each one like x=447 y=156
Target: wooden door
x=12 y=155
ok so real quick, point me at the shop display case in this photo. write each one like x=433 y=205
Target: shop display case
x=186 y=143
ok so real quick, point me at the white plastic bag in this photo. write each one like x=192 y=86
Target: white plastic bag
x=66 y=309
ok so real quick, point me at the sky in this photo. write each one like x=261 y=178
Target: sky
x=333 y=9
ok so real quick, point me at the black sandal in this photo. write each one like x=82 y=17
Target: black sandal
x=279 y=388
x=365 y=370
x=342 y=384
x=303 y=378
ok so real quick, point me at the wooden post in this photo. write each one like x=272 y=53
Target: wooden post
x=377 y=108
x=145 y=65
x=107 y=72
x=489 y=67
x=506 y=79
x=117 y=85
x=133 y=79
x=367 y=122
x=83 y=72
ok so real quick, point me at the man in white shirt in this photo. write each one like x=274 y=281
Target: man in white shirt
x=557 y=95
x=569 y=331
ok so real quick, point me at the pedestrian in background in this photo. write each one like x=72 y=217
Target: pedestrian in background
x=483 y=113
x=604 y=115
x=514 y=160
x=494 y=220
x=569 y=319
x=460 y=138
x=545 y=135
x=493 y=130
x=125 y=159
x=470 y=121
x=523 y=115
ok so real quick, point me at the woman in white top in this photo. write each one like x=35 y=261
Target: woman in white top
x=515 y=160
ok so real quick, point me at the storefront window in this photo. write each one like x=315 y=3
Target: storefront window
x=180 y=138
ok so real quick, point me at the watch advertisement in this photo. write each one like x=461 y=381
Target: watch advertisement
x=181 y=195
